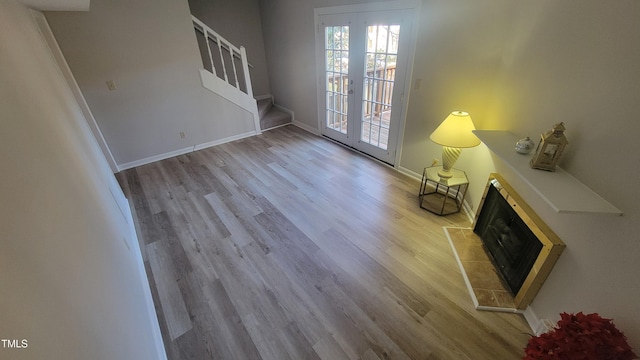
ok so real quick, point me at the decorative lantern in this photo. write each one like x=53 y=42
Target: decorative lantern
x=550 y=148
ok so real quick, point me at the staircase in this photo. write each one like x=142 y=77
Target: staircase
x=271 y=116
x=226 y=70
x=226 y=73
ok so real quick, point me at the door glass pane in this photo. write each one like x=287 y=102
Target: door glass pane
x=337 y=76
x=379 y=79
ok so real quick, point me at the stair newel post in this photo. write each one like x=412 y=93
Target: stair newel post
x=247 y=79
x=245 y=71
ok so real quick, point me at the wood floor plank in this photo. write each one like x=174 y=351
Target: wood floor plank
x=265 y=337
x=232 y=331
x=328 y=349
x=288 y=246
x=173 y=307
x=170 y=346
x=290 y=301
x=357 y=262
x=354 y=328
x=155 y=187
x=173 y=243
x=240 y=234
x=141 y=208
x=296 y=344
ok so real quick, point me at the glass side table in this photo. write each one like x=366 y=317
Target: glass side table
x=442 y=197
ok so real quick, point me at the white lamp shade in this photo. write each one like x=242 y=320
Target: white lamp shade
x=456 y=131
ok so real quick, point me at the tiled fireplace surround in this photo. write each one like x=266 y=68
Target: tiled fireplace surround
x=486 y=288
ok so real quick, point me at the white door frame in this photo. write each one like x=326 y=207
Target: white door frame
x=413 y=5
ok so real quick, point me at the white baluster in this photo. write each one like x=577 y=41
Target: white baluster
x=224 y=68
x=245 y=70
x=206 y=38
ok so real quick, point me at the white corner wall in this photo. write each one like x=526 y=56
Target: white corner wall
x=148 y=49
x=523 y=66
x=577 y=61
x=518 y=66
x=71 y=274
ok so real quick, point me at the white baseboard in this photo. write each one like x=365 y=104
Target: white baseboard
x=306 y=127
x=154 y=158
x=288 y=111
x=225 y=140
x=532 y=319
x=409 y=173
x=275 y=127
x=469 y=211
x=537 y=325
x=183 y=151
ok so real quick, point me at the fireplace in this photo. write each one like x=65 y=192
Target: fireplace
x=521 y=247
x=509 y=242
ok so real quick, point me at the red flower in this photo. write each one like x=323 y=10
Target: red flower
x=580 y=337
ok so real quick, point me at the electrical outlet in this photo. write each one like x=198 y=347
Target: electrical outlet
x=111 y=85
x=182 y=135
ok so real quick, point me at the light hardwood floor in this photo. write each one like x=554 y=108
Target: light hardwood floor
x=288 y=246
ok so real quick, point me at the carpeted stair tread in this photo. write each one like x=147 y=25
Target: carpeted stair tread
x=275 y=117
x=264 y=106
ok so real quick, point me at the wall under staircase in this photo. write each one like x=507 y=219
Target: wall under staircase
x=226 y=69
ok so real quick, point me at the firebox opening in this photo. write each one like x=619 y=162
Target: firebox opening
x=522 y=248
x=511 y=245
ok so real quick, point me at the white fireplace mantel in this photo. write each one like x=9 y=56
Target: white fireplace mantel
x=563 y=192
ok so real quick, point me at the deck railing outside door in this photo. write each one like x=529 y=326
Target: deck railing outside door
x=378 y=92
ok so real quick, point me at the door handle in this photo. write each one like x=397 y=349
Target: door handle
x=350 y=91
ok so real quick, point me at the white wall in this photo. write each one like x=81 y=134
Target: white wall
x=289 y=37
x=519 y=66
x=149 y=49
x=69 y=264
x=239 y=22
x=577 y=62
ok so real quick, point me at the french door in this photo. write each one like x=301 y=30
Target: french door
x=364 y=57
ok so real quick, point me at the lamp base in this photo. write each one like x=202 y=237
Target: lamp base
x=449 y=157
x=445 y=174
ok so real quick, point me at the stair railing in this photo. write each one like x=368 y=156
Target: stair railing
x=217 y=57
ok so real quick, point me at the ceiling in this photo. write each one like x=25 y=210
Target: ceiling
x=57 y=5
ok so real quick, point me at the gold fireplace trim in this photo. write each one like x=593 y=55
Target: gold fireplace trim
x=552 y=246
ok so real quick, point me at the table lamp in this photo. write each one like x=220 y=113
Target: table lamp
x=454 y=133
